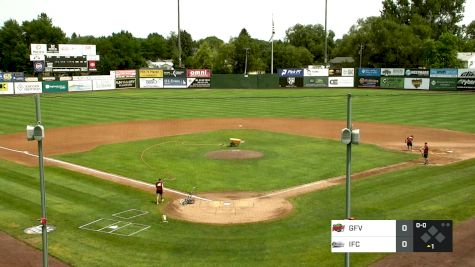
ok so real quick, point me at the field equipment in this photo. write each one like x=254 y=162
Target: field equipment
x=188 y=200
x=234 y=142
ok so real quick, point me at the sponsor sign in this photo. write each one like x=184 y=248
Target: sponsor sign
x=340 y=82
x=38 y=66
x=65 y=78
x=369 y=72
x=392 y=82
x=103 y=84
x=1 y=76
x=38 y=49
x=443 y=73
x=178 y=73
x=291 y=82
x=52 y=48
x=199 y=82
x=55 y=87
x=12 y=77
x=392 y=72
x=76 y=49
x=315 y=81
x=315 y=72
x=37 y=57
x=417 y=73
x=347 y=72
x=417 y=83
x=125 y=83
x=28 y=88
x=6 y=88
x=443 y=84
x=290 y=73
x=125 y=73
x=200 y=73
x=174 y=82
x=31 y=79
x=48 y=78
x=93 y=77
x=466 y=83
x=466 y=73
x=79 y=86
x=151 y=82
x=334 y=72
x=93 y=57
x=91 y=65
x=368 y=82
x=151 y=73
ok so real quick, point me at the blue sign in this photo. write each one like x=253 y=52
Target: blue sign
x=444 y=73
x=1 y=77
x=290 y=72
x=39 y=66
x=369 y=72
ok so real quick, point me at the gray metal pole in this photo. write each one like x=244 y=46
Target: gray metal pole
x=179 y=38
x=245 y=64
x=348 y=173
x=272 y=57
x=42 y=187
x=326 y=36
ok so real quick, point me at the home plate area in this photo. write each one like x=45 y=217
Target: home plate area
x=117 y=227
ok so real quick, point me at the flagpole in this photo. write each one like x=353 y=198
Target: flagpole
x=272 y=47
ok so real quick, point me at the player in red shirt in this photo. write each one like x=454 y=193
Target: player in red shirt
x=409 y=141
x=425 y=153
x=159 y=190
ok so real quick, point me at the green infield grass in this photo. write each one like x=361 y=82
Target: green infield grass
x=288 y=160
x=300 y=239
x=447 y=110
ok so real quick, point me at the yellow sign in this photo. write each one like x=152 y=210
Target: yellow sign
x=3 y=87
x=150 y=73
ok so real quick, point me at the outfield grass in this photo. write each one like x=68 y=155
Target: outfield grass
x=288 y=160
x=452 y=110
x=303 y=238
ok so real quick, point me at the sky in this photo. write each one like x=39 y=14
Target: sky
x=201 y=18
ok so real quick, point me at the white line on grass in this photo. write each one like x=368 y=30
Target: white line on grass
x=64 y=163
x=90 y=223
x=140 y=214
x=143 y=229
x=115 y=229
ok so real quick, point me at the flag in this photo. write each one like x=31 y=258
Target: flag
x=273 y=29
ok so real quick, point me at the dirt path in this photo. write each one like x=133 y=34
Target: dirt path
x=236 y=207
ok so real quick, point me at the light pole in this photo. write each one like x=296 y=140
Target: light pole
x=326 y=36
x=179 y=39
x=245 y=64
x=361 y=53
x=272 y=47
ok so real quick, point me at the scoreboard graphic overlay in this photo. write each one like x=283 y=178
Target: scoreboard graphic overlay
x=391 y=235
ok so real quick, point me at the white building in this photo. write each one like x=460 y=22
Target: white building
x=468 y=59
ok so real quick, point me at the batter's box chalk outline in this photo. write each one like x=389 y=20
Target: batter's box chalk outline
x=133 y=211
x=114 y=227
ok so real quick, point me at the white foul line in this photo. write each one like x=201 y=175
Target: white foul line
x=101 y=172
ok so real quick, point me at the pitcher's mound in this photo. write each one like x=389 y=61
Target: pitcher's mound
x=234 y=154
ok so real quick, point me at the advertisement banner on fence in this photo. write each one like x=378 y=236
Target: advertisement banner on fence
x=151 y=73
x=103 y=84
x=79 y=86
x=416 y=83
x=392 y=72
x=199 y=82
x=466 y=73
x=28 y=88
x=443 y=84
x=466 y=83
x=369 y=72
x=335 y=72
x=443 y=73
x=125 y=73
x=417 y=73
x=55 y=87
x=290 y=82
x=200 y=73
x=392 y=82
x=315 y=72
x=290 y=73
x=125 y=83
x=151 y=83
x=315 y=82
x=178 y=73
x=368 y=82
x=93 y=77
x=341 y=82
x=6 y=88
x=12 y=77
x=347 y=72
x=172 y=82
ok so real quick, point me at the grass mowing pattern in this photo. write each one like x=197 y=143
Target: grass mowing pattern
x=452 y=110
x=288 y=160
x=301 y=239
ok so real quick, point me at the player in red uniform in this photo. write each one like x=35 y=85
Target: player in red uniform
x=159 y=190
x=409 y=141
x=425 y=153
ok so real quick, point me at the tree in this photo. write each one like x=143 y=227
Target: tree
x=204 y=57
x=441 y=53
x=188 y=47
x=42 y=31
x=14 y=51
x=155 y=47
x=311 y=37
x=289 y=56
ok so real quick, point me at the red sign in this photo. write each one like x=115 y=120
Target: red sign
x=91 y=65
x=200 y=73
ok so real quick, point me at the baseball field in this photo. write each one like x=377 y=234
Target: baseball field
x=268 y=202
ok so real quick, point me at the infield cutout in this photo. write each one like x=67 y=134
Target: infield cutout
x=115 y=227
x=129 y=214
